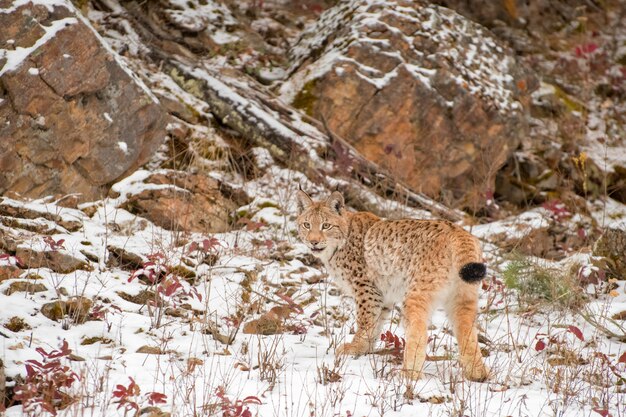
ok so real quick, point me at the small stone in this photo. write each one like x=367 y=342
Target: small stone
x=76 y=308
x=9 y=272
x=25 y=286
x=153 y=412
x=124 y=259
x=57 y=260
x=141 y=298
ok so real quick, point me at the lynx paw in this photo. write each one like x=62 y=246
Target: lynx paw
x=478 y=373
x=351 y=349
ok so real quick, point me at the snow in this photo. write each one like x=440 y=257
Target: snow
x=284 y=370
x=123 y=146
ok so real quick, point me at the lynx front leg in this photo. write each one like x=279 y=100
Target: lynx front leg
x=416 y=313
x=462 y=312
x=370 y=317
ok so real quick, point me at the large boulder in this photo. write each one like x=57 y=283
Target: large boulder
x=417 y=88
x=74 y=118
x=184 y=201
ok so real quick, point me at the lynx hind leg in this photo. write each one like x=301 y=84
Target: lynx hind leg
x=371 y=315
x=462 y=310
x=416 y=314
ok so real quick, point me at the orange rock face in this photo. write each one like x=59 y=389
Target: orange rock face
x=73 y=119
x=419 y=89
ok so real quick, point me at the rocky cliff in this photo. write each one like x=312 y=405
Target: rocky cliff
x=75 y=119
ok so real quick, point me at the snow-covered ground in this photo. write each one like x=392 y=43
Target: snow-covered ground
x=295 y=372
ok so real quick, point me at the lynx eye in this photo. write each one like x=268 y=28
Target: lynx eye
x=326 y=226
x=306 y=225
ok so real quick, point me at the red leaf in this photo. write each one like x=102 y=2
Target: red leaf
x=252 y=400
x=577 y=333
x=193 y=247
x=541 y=345
x=156 y=398
x=622 y=358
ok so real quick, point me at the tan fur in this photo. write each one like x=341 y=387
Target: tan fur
x=383 y=262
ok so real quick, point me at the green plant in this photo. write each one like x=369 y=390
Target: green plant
x=542 y=285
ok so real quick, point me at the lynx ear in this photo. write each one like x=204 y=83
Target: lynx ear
x=303 y=200
x=335 y=202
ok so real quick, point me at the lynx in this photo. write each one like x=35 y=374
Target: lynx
x=383 y=262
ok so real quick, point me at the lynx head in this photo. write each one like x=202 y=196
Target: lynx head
x=322 y=225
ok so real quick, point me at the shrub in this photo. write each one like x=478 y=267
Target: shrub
x=542 y=285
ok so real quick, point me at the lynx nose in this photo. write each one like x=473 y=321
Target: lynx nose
x=314 y=243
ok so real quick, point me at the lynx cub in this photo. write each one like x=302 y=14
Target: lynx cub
x=383 y=262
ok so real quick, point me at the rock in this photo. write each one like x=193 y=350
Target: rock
x=97 y=339
x=124 y=259
x=9 y=272
x=193 y=203
x=612 y=245
x=152 y=411
x=269 y=323
x=556 y=241
x=25 y=286
x=75 y=119
x=616 y=184
x=77 y=308
x=416 y=88
x=57 y=260
x=142 y=298
x=19 y=210
x=525 y=178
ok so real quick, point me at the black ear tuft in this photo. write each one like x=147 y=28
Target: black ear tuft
x=335 y=202
x=303 y=200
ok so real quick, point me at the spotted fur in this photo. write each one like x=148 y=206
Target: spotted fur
x=413 y=262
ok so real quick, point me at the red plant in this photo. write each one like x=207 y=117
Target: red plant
x=585 y=50
x=235 y=409
x=151 y=270
x=543 y=339
x=251 y=225
x=558 y=210
x=156 y=398
x=54 y=245
x=46 y=381
x=393 y=342
x=12 y=259
x=206 y=246
x=128 y=396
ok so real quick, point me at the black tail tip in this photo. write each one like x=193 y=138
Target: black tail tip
x=473 y=272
